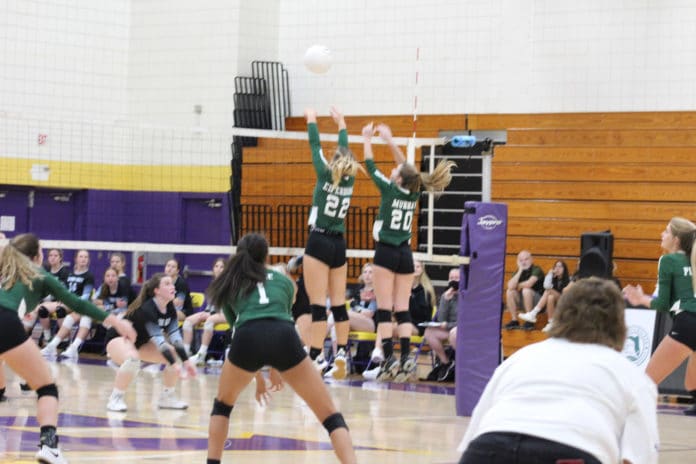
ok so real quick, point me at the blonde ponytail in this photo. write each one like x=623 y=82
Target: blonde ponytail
x=343 y=164
x=15 y=262
x=440 y=178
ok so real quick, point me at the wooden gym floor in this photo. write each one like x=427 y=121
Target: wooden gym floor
x=390 y=423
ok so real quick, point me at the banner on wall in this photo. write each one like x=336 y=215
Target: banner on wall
x=640 y=328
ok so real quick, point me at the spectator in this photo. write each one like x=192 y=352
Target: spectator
x=447 y=318
x=524 y=289
x=572 y=398
x=182 y=300
x=555 y=282
x=362 y=311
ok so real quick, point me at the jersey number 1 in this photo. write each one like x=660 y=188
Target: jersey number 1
x=263 y=298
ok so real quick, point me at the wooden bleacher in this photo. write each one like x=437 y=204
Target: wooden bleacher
x=561 y=174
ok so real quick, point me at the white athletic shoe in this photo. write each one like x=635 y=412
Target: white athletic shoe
x=389 y=370
x=548 y=326
x=49 y=352
x=169 y=401
x=47 y=455
x=339 y=370
x=320 y=363
x=371 y=374
x=70 y=354
x=527 y=317
x=116 y=404
x=377 y=355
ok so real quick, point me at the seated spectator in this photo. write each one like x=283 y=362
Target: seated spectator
x=524 y=289
x=555 y=282
x=117 y=260
x=362 y=309
x=447 y=317
x=113 y=295
x=301 y=310
x=209 y=317
x=573 y=398
x=182 y=299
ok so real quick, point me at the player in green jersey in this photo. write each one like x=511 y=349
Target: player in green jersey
x=324 y=261
x=257 y=300
x=23 y=284
x=675 y=293
x=393 y=263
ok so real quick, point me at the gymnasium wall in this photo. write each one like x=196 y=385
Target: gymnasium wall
x=152 y=61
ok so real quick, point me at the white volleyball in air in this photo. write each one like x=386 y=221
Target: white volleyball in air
x=317 y=59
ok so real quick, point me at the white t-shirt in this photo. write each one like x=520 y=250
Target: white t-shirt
x=582 y=395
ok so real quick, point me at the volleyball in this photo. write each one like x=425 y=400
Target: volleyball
x=317 y=59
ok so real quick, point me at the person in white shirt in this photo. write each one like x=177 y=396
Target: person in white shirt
x=571 y=397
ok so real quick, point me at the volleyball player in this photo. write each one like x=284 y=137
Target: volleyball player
x=209 y=317
x=324 y=261
x=81 y=283
x=158 y=341
x=393 y=262
x=24 y=284
x=257 y=301
x=675 y=293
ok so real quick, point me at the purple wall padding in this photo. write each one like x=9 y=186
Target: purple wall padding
x=484 y=232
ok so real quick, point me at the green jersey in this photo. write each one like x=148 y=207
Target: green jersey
x=396 y=208
x=21 y=299
x=329 y=202
x=271 y=299
x=674 y=285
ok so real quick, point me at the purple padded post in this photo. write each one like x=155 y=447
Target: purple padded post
x=484 y=233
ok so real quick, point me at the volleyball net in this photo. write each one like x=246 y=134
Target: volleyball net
x=154 y=192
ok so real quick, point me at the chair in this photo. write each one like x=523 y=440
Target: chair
x=197 y=300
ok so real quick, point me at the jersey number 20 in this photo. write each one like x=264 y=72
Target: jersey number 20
x=332 y=206
x=401 y=220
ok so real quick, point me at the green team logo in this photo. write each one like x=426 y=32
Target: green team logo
x=637 y=345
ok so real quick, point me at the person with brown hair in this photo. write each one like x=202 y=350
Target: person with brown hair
x=573 y=397
x=675 y=293
x=393 y=262
x=257 y=300
x=23 y=283
x=158 y=341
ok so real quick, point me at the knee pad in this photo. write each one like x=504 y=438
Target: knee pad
x=187 y=326
x=48 y=390
x=130 y=365
x=209 y=326
x=61 y=312
x=333 y=422
x=85 y=322
x=318 y=313
x=68 y=323
x=43 y=312
x=340 y=313
x=221 y=409
x=402 y=317
x=383 y=315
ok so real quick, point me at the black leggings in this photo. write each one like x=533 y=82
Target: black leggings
x=266 y=342
x=518 y=448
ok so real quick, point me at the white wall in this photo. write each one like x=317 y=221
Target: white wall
x=482 y=56
x=65 y=59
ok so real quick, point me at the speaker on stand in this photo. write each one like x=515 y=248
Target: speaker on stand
x=596 y=252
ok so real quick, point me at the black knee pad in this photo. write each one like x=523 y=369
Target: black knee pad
x=43 y=312
x=333 y=422
x=340 y=313
x=318 y=312
x=402 y=317
x=61 y=312
x=48 y=390
x=383 y=315
x=221 y=409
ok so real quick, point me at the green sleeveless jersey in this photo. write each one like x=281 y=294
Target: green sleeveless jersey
x=21 y=299
x=396 y=208
x=674 y=286
x=271 y=299
x=329 y=202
